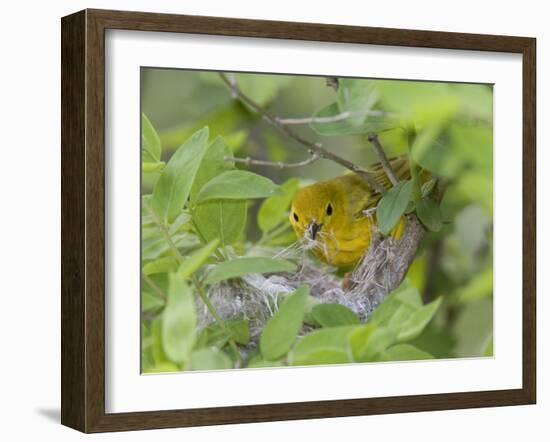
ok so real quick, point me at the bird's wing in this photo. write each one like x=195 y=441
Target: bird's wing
x=400 y=166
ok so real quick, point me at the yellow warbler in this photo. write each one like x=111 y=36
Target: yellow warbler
x=335 y=218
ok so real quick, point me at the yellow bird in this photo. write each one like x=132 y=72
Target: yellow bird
x=335 y=218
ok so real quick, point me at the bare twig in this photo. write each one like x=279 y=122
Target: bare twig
x=281 y=165
x=332 y=119
x=311 y=146
x=233 y=80
x=373 y=138
x=166 y=234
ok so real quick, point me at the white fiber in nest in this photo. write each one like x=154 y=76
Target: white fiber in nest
x=381 y=270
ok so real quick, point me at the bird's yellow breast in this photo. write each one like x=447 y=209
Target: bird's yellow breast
x=335 y=219
x=345 y=247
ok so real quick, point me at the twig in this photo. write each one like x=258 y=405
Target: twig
x=310 y=145
x=332 y=119
x=373 y=138
x=233 y=80
x=249 y=161
x=166 y=234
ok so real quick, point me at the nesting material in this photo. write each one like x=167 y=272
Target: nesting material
x=380 y=271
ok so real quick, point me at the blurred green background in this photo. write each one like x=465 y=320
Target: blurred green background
x=454 y=140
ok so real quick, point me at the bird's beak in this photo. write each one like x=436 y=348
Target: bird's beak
x=312 y=230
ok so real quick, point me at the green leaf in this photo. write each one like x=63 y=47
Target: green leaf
x=152 y=167
x=150 y=141
x=327 y=125
x=174 y=184
x=479 y=287
x=473 y=327
x=429 y=213
x=159 y=355
x=403 y=352
x=216 y=334
x=319 y=342
x=240 y=330
x=179 y=321
x=356 y=96
x=262 y=363
x=284 y=238
x=236 y=140
x=213 y=163
x=209 y=359
x=192 y=262
x=473 y=145
x=369 y=340
x=262 y=88
x=473 y=187
x=280 y=331
x=237 y=185
x=488 y=351
x=223 y=219
x=166 y=264
x=222 y=118
x=424 y=141
x=182 y=219
x=322 y=356
x=471 y=225
x=437 y=341
x=163 y=367
x=408 y=296
x=157 y=246
x=274 y=209
x=418 y=102
x=392 y=206
x=150 y=302
x=247 y=265
x=333 y=315
x=433 y=151
x=413 y=326
x=476 y=100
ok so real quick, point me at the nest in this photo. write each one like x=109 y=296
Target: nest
x=381 y=270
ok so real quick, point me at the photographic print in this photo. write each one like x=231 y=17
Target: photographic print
x=291 y=220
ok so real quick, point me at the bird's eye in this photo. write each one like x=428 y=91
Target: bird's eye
x=295 y=216
x=329 y=209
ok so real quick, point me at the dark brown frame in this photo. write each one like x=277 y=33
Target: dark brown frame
x=83 y=216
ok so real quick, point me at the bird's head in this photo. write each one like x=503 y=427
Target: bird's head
x=315 y=211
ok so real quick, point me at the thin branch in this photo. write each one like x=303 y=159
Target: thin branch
x=251 y=161
x=332 y=119
x=373 y=138
x=310 y=145
x=233 y=80
x=166 y=234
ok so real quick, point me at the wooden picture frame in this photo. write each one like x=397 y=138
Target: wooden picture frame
x=83 y=219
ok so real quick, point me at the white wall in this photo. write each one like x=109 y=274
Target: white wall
x=30 y=216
